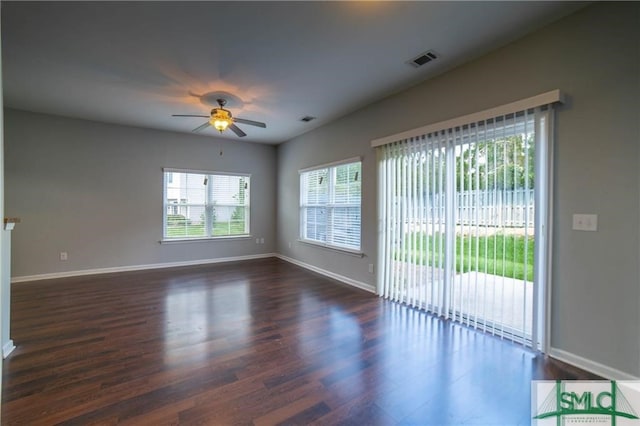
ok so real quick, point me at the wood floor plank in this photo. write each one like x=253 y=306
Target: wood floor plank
x=254 y=342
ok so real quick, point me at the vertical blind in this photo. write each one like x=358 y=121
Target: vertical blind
x=457 y=230
x=330 y=198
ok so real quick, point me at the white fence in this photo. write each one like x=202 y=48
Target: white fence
x=496 y=208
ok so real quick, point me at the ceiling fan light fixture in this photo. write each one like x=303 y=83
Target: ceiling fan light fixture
x=221 y=119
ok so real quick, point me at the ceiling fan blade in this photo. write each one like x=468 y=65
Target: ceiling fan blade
x=250 y=122
x=201 y=127
x=190 y=115
x=235 y=129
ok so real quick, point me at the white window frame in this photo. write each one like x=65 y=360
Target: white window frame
x=330 y=206
x=208 y=205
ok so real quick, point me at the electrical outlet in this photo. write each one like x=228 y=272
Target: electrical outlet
x=64 y=255
x=371 y=268
x=261 y=240
x=585 y=222
x=257 y=240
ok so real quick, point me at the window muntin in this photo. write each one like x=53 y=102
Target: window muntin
x=205 y=205
x=330 y=200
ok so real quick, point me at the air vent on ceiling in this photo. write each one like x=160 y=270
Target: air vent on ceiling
x=307 y=118
x=423 y=58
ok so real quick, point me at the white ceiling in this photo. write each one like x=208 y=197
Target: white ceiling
x=136 y=63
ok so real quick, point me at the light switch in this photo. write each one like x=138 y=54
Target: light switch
x=585 y=222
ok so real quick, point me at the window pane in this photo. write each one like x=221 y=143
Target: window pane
x=316 y=224
x=347 y=187
x=317 y=187
x=189 y=222
x=229 y=220
x=346 y=227
x=230 y=190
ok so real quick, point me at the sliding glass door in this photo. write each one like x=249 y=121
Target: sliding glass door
x=460 y=223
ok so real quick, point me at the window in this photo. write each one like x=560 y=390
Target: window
x=205 y=205
x=330 y=205
x=463 y=211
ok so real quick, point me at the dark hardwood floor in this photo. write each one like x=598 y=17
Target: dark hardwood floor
x=259 y=342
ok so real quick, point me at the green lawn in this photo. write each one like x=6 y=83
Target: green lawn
x=497 y=254
x=219 y=229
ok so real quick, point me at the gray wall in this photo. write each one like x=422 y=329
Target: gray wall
x=95 y=191
x=592 y=56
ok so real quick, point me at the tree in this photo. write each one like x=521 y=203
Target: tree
x=506 y=163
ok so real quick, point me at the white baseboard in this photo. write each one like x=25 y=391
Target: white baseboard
x=338 y=277
x=7 y=348
x=66 y=274
x=137 y=268
x=589 y=365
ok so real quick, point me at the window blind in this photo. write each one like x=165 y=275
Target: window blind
x=461 y=211
x=330 y=199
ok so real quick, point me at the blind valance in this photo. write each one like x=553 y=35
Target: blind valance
x=547 y=98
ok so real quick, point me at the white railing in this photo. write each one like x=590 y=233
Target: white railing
x=496 y=208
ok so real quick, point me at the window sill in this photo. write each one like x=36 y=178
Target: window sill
x=204 y=239
x=344 y=250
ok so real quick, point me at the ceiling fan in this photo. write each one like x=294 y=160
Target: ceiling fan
x=222 y=119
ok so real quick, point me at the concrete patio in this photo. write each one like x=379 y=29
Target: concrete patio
x=489 y=302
